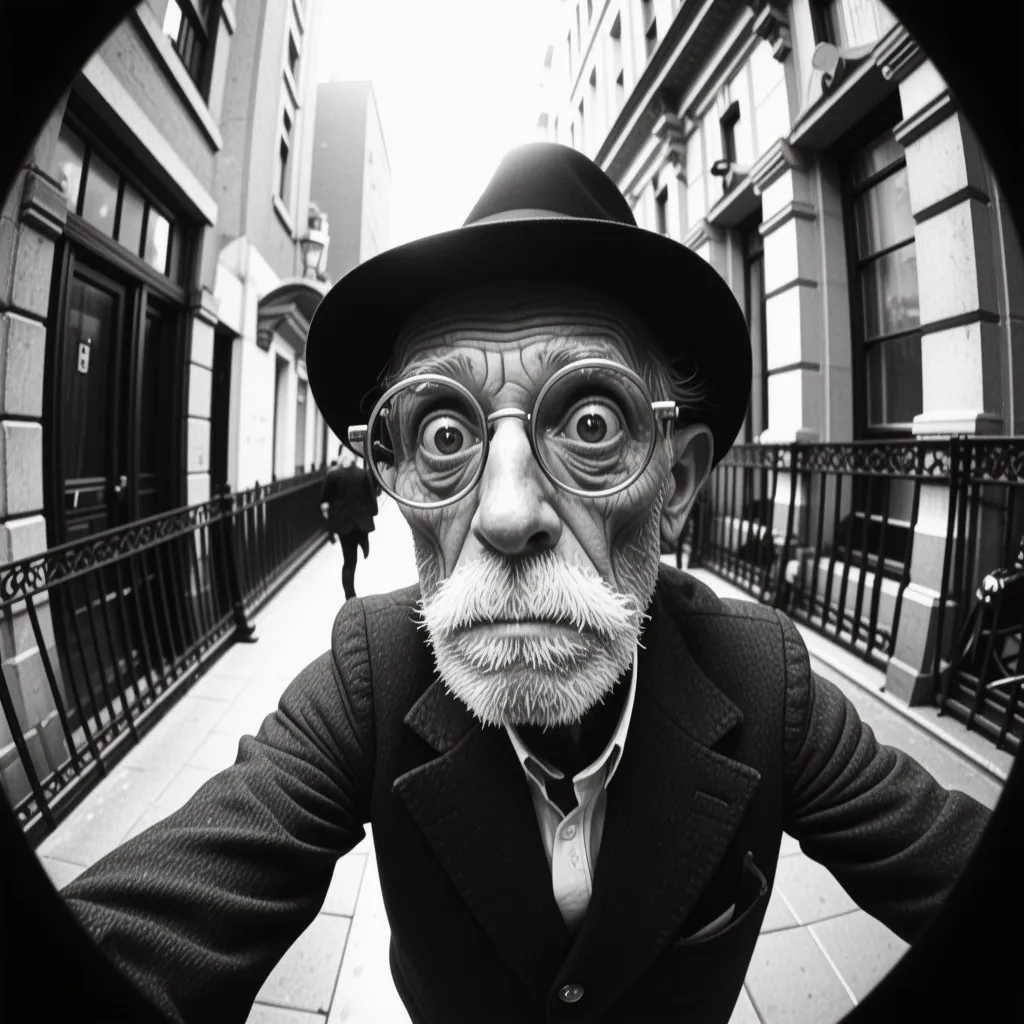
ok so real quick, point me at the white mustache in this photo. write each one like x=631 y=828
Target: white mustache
x=539 y=588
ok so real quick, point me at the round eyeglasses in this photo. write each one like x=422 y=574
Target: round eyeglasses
x=593 y=431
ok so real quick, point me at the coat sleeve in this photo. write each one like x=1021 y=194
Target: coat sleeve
x=199 y=908
x=894 y=839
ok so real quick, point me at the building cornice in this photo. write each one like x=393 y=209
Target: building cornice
x=773 y=163
x=772 y=25
x=701 y=233
x=43 y=205
x=897 y=54
x=910 y=129
x=793 y=210
x=695 y=32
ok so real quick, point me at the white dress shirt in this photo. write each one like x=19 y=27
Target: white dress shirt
x=572 y=841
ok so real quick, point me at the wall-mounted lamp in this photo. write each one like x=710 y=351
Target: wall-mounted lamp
x=314 y=244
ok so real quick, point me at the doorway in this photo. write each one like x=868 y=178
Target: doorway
x=220 y=409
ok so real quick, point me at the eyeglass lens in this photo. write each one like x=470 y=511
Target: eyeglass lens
x=593 y=431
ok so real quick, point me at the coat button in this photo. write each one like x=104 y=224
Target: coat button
x=570 y=993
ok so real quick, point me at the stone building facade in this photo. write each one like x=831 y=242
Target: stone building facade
x=152 y=302
x=811 y=152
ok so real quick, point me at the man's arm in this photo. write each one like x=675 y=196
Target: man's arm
x=894 y=838
x=198 y=909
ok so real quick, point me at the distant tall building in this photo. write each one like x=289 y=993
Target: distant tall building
x=351 y=174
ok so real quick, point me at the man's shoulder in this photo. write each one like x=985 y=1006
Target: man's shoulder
x=690 y=597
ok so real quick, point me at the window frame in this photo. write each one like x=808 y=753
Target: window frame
x=204 y=33
x=870 y=131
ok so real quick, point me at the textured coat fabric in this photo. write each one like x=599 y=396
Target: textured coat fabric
x=349 y=493
x=732 y=741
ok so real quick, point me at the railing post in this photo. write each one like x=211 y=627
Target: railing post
x=244 y=629
x=780 y=595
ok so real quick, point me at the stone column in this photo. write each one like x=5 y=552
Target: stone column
x=961 y=344
x=203 y=313
x=31 y=222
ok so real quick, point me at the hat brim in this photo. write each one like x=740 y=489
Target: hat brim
x=692 y=313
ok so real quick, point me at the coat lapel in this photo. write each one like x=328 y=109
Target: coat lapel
x=673 y=806
x=473 y=806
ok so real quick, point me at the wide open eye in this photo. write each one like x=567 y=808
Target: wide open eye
x=593 y=422
x=445 y=434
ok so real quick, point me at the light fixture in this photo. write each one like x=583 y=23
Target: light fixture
x=721 y=168
x=314 y=244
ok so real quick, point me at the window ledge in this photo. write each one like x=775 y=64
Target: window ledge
x=284 y=216
x=175 y=70
x=227 y=12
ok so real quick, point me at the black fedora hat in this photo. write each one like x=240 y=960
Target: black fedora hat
x=548 y=214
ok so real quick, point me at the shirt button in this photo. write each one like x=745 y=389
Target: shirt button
x=568 y=832
x=570 y=993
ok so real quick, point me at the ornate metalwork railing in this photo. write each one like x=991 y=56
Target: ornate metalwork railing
x=124 y=619
x=827 y=532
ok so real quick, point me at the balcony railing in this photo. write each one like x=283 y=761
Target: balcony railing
x=125 y=619
x=835 y=533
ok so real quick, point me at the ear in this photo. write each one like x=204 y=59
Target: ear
x=693 y=449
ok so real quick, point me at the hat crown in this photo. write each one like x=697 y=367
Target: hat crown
x=545 y=178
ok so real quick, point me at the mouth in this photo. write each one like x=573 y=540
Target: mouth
x=525 y=627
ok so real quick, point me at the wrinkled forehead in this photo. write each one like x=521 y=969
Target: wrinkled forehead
x=556 y=317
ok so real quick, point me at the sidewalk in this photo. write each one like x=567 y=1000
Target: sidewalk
x=817 y=955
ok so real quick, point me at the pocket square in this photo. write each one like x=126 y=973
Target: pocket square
x=715 y=926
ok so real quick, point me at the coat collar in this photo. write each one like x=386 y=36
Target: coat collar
x=473 y=805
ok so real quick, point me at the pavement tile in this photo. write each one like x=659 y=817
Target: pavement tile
x=304 y=977
x=344 y=889
x=366 y=991
x=778 y=915
x=60 y=872
x=245 y=716
x=181 y=789
x=101 y=822
x=862 y=949
x=790 y=981
x=789 y=846
x=244 y=661
x=215 y=686
x=810 y=890
x=744 y=1012
x=175 y=739
x=263 y=1014
x=217 y=752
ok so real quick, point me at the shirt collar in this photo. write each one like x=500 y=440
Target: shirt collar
x=610 y=756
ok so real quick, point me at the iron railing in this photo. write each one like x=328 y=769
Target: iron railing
x=980 y=680
x=126 y=618
x=833 y=534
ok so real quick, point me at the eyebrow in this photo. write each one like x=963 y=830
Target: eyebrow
x=456 y=364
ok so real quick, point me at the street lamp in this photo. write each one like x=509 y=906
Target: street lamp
x=314 y=244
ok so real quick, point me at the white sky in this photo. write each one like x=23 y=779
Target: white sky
x=457 y=85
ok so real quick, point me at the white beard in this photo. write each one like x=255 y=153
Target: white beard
x=536 y=680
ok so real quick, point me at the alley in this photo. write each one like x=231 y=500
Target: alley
x=817 y=954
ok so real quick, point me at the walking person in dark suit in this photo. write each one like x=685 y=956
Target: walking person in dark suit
x=349 y=506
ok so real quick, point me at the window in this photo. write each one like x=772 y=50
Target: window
x=188 y=25
x=727 y=126
x=293 y=57
x=590 y=11
x=883 y=288
x=579 y=30
x=650 y=23
x=99 y=192
x=617 y=70
x=554 y=134
x=568 y=46
x=661 y=210
x=284 y=151
x=850 y=23
x=583 y=136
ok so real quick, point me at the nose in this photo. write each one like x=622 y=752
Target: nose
x=514 y=516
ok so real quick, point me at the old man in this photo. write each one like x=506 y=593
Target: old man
x=578 y=763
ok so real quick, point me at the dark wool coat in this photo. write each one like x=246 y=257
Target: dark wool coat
x=349 y=493
x=732 y=741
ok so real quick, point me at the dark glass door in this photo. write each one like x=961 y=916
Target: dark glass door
x=93 y=475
